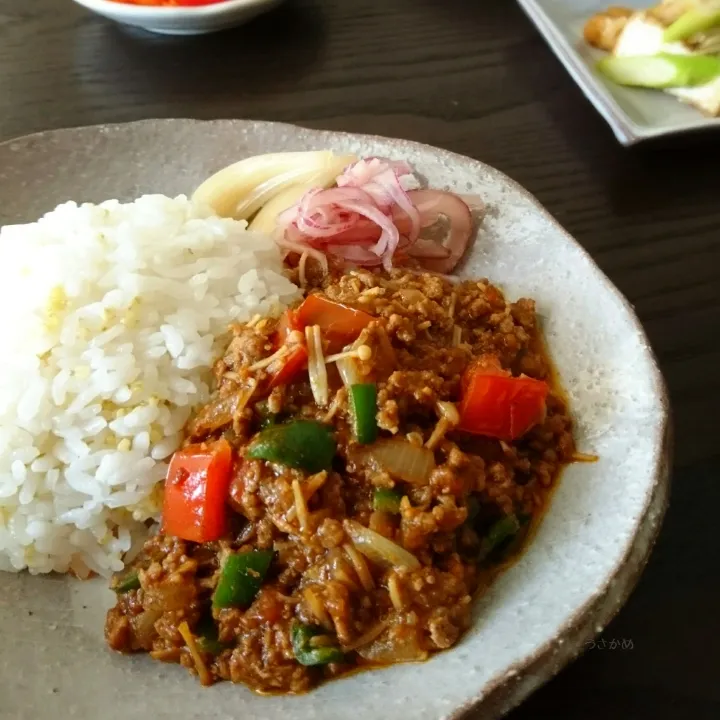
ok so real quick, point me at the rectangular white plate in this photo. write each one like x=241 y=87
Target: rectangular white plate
x=634 y=115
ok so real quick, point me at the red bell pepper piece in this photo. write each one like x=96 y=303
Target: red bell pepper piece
x=340 y=324
x=287 y=323
x=290 y=368
x=496 y=404
x=196 y=488
x=286 y=370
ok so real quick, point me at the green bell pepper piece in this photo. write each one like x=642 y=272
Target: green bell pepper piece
x=241 y=577
x=300 y=444
x=267 y=418
x=691 y=23
x=363 y=401
x=305 y=654
x=499 y=533
x=207 y=636
x=386 y=500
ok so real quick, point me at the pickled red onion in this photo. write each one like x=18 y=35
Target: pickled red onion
x=374 y=213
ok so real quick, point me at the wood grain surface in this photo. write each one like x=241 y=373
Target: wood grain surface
x=474 y=77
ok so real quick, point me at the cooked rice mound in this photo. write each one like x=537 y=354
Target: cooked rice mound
x=111 y=316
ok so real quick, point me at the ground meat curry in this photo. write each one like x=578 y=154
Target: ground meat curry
x=367 y=463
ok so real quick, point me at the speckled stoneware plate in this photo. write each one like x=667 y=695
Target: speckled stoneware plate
x=581 y=566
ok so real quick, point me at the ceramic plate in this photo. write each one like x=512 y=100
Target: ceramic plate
x=634 y=115
x=194 y=20
x=581 y=566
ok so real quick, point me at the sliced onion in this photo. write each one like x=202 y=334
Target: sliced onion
x=361 y=173
x=355 y=221
x=325 y=214
x=143 y=626
x=300 y=249
x=221 y=411
x=379 y=549
x=371 y=216
x=399 y=458
x=356 y=254
x=381 y=179
x=401 y=643
x=169 y=596
x=367 y=637
x=382 y=183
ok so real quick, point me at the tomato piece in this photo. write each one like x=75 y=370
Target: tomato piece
x=196 y=488
x=499 y=405
x=340 y=324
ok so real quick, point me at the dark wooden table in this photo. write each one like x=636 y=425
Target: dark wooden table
x=471 y=76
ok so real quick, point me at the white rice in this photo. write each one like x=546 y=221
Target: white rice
x=110 y=319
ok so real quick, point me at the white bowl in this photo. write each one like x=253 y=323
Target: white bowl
x=580 y=567
x=181 y=20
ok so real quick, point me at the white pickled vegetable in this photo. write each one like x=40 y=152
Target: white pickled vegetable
x=240 y=190
x=266 y=219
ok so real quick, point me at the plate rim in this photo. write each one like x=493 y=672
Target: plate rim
x=508 y=688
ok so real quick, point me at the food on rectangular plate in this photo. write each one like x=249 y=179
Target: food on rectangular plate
x=671 y=47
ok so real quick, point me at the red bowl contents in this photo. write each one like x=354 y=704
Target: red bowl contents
x=171 y=3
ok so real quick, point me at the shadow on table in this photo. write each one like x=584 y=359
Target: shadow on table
x=661 y=172
x=267 y=55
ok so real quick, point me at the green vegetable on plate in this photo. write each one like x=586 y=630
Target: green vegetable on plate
x=304 y=651
x=267 y=418
x=386 y=500
x=207 y=636
x=241 y=577
x=661 y=71
x=363 y=400
x=300 y=444
x=698 y=20
x=500 y=532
